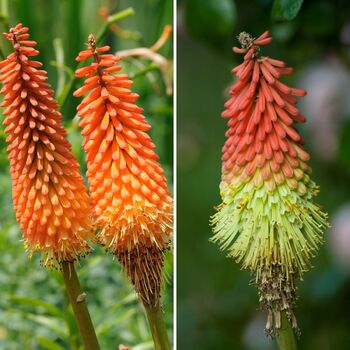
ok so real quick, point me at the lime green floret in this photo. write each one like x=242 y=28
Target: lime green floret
x=262 y=228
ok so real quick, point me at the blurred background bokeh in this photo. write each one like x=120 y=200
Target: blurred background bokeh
x=33 y=308
x=217 y=308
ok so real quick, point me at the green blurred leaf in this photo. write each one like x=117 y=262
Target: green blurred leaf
x=144 y=346
x=49 y=344
x=142 y=327
x=132 y=297
x=111 y=323
x=51 y=323
x=320 y=19
x=344 y=144
x=283 y=32
x=50 y=309
x=54 y=324
x=61 y=76
x=210 y=20
x=285 y=9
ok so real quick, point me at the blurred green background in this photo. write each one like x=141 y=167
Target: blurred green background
x=217 y=309
x=33 y=307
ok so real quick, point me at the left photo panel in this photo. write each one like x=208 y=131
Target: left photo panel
x=86 y=175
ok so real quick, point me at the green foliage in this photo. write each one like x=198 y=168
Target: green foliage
x=210 y=20
x=285 y=9
x=322 y=20
x=49 y=344
x=34 y=311
x=344 y=144
x=217 y=308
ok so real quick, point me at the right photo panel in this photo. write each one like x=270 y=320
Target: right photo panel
x=263 y=169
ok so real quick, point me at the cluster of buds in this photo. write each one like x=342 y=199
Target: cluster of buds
x=267 y=220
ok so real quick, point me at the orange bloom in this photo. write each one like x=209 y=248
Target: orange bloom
x=128 y=190
x=261 y=114
x=49 y=195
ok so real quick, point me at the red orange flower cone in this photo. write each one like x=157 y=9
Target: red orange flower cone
x=49 y=195
x=267 y=219
x=128 y=190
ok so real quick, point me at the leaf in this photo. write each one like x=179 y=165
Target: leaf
x=49 y=344
x=50 y=309
x=144 y=346
x=291 y=8
x=128 y=299
x=57 y=276
x=282 y=32
x=320 y=20
x=51 y=323
x=210 y=20
x=110 y=323
x=61 y=77
x=344 y=144
x=142 y=327
x=285 y=9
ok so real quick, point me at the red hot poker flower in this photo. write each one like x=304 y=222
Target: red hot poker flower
x=49 y=195
x=268 y=220
x=128 y=190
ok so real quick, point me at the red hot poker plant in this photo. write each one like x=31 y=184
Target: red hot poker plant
x=267 y=220
x=128 y=190
x=49 y=195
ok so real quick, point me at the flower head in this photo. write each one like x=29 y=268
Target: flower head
x=128 y=190
x=49 y=195
x=267 y=219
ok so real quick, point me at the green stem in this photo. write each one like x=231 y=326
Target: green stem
x=4 y=13
x=111 y=19
x=2 y=55
x=157 y=325
x=285 y=337
x=78 y=302
x=152 y=67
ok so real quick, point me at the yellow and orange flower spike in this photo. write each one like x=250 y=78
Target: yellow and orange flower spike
x=268 y=220
x=49 y=195
x=128 y=190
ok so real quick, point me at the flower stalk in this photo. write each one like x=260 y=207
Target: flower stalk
x=157 y=325
x=285 y=337
x=77 y=299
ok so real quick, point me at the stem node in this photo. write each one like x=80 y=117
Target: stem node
x=77 y=299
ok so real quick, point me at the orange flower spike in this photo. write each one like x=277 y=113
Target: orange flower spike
x=129 y=193
x=49 y=195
